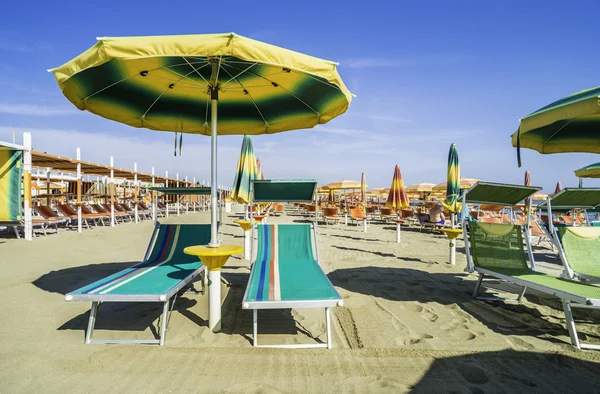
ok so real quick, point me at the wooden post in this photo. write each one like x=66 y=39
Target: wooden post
x=79 y=202
x=135 y=192
x=112 y=192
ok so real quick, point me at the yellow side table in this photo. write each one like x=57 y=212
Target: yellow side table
x=246 y=225
x=452 y=234
x=213 y=259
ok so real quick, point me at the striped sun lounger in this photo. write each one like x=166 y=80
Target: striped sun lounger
x=286 y=274
x=164 y=271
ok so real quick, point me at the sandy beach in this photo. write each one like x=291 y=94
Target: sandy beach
x=408 y=323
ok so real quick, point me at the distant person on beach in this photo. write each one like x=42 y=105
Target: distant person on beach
x=436 y=215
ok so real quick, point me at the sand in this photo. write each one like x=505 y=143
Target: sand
x=408 y=323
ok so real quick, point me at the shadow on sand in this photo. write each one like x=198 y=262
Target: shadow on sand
x=454 y=289
x=139 y=316
x=509 y=371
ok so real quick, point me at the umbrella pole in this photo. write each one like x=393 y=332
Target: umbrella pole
x=452 y=243
x=214 y=242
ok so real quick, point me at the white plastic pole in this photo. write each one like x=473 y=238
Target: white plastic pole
x=187 y=197
x=178 y=196
x=27 y=186
x=135 y=209
x=247 y=245
x=214 y=300
x=195 y=196
x=397 y=232
x=213 y=176
x=112 y=192
x=364 y=226
x=452 y=242
x=154 y=216
x=166 y=195
x=79 y=202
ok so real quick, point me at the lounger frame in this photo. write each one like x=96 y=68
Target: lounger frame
x=296 y=304
x=569 y=301
x=168 y=299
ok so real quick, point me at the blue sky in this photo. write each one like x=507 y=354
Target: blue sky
x=425 y=75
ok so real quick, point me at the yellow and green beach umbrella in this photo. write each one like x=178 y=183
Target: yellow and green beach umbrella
x=570 y=124
x=210 y=84
x=11 y=168
x=452 y=203
x=397 y=198
x=246 y=172
x=591 y=171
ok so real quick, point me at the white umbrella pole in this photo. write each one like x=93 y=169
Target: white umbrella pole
x=452 y=243
x=213 y=173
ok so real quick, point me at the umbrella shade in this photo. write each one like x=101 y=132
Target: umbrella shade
x=246 y=172
x=453 y=185
x=567 y=125
x=343 y=184
x=591 y=171
x=465 y=183
x=422 y=187
x=363 y=188
x=397 y=198
x=167 y=83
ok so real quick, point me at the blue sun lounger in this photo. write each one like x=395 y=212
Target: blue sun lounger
x=286 y=273
x=164 y=271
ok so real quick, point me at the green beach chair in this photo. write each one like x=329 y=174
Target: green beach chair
x=164 y=271
x=496 y=250
x=578 y=247
x=286 y=273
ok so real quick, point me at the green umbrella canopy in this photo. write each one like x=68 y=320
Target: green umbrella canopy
x=570 y=124
x=247 y=171
x=210 y=84
x=591 y=171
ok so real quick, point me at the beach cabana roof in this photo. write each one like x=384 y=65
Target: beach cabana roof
x=202 y=190
x=499 y=193
x=66 y=164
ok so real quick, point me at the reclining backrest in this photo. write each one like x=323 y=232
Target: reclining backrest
x=67 y=209
x=582 y=248
x=173 y=238
x=497 y=246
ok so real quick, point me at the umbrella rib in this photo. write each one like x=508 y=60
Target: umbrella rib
x=237 y=75
x=252 y=99
x=165 y=91
x=558 y=131
x=288 y=91
x=179 y=74
x=196 y=70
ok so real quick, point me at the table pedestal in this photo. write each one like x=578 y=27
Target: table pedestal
x=246 y=226
x=213 y=259
x=452 y=234
x=398 y=224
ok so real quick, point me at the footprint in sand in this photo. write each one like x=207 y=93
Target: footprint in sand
x=413 y=308
x=430 y=316
x=473 y=374
x=417 y=339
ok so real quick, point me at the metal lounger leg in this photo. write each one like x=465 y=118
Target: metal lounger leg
x=570 y=323
x=328 y=324
x=16 y=230
x=92 y=322
x=255 y=327
x=522 y=293
x=163 y=325
x=478 y=285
